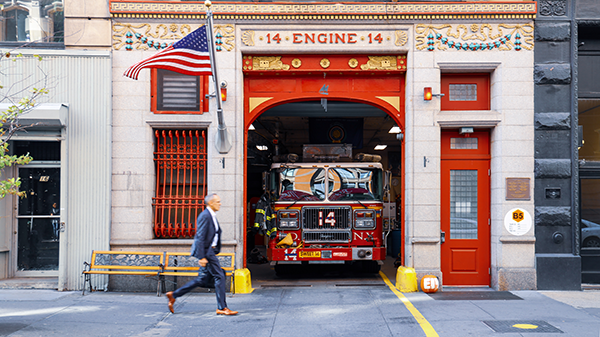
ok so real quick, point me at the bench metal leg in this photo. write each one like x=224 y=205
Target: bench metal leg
x=87 y=279
x=161 y=285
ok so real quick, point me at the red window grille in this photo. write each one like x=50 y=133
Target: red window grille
x=180 y=182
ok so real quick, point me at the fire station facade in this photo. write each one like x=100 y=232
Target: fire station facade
x=462 y=163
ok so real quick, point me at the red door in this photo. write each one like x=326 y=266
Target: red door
x=465 y=209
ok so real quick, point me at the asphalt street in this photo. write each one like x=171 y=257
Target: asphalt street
x=365 y=308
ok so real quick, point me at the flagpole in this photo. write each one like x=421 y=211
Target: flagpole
x=222 y=143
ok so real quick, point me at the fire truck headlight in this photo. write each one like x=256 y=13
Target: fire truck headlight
x=288 y=224
x=288 y=219
x=364 y=219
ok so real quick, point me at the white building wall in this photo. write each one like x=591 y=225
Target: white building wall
x=510 y=119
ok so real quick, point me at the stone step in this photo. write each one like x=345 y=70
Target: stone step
x=30 y=283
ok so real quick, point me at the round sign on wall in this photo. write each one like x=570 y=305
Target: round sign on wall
x=517 y=221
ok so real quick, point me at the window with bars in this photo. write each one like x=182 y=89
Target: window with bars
x=177 y=93
x=180 y=158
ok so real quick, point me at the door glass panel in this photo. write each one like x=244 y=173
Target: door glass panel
x=42 y=186
x=38 y=244
x=39 y=219
x=463 y=204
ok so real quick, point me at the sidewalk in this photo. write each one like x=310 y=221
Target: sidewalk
x=326 y=309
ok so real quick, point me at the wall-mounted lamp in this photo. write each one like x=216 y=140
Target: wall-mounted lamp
x=465 y=130
x=223 y=91
x=428 y=95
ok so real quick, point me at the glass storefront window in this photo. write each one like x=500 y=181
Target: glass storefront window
x=590 y=213
x=32 y=21
x=589 y=119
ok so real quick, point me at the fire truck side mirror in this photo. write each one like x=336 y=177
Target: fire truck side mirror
x=387 y=179
x=265 y=181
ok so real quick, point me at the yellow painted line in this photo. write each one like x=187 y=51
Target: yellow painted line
x=427 y=328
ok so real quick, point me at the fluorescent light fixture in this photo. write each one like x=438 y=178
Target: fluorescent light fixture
x=251 y=127
x=262 y=147
x=394 y=129
x=380 y=147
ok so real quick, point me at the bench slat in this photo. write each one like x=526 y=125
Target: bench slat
x=108 y=272
x=127 y=267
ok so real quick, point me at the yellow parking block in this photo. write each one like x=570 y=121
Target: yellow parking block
x=243 y=282
x=406 y=279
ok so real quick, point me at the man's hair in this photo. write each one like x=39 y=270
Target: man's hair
x=209 y=197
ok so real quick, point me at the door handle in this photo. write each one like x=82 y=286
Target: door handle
x=442 y=236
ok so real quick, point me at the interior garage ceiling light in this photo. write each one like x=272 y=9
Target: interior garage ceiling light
x=262 y=147
x=380 y=147
x=394 y=129
x=251 y=127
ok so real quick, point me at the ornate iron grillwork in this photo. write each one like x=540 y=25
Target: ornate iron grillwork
x=127 y=260
x=190 y=261
x=180 y=159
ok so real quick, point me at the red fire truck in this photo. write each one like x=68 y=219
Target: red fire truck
x=333 y=211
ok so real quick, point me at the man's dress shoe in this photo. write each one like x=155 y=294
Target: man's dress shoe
x=171 y=301
x=226 y=311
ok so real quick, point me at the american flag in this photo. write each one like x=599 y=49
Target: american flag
x=187 y=56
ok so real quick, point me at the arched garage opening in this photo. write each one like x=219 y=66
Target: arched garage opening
x=344 y=102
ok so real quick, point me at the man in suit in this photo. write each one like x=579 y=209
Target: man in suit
x=207 y=244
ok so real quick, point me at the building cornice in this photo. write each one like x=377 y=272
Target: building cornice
x=329 y=11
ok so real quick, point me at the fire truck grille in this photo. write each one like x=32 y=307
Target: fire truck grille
x=326 y=236
x=326 y=218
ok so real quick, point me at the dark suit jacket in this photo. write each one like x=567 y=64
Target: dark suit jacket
x=205 y=233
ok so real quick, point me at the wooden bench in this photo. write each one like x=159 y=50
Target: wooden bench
x=123 y=263
x=183 y=264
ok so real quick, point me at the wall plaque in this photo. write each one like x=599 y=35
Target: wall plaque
x=518 y=189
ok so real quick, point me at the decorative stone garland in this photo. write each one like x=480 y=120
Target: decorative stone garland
x=476 y=37
x=146 y=36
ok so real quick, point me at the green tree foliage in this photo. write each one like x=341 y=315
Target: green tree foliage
x=9 y=125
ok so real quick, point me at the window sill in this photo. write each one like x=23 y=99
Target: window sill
x=468 y=118
x=32 y=45
x=170 y=123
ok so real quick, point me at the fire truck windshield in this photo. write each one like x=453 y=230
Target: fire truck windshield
x=351 y=183
x=335 y=184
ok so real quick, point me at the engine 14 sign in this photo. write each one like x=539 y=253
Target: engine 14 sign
x=316 y=38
